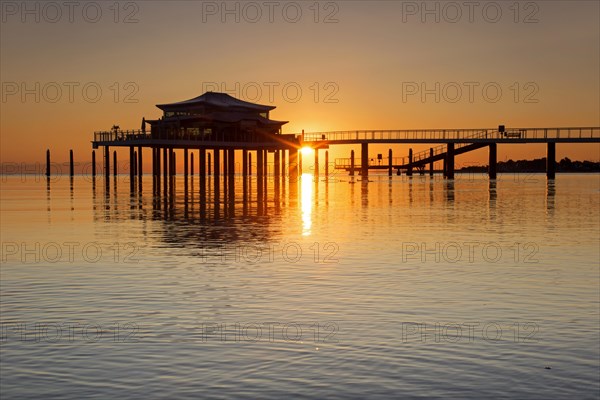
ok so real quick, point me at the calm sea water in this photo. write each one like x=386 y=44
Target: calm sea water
x=401 y=288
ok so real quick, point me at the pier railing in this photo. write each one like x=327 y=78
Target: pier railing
x=455 y=134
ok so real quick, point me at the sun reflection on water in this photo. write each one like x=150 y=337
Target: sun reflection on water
x=306 y=193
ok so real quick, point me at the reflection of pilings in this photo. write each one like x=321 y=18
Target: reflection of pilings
x=431 y=163
x=551 y=161
x=115 y=169
x=48 y=163
x=71 y=166
x=94 y=164
x=493 y=151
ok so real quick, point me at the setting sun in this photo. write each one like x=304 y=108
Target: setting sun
x=306 y=151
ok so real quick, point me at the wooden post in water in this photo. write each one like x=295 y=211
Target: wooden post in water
x=316 y=164
x=192 y=165
x=249 y=164
x=71 y=166
x=217 y=178
x=450 y=162
x=135 y=168
x=202 y=172
x=244 y=163
x=115 y=163
x=131 y=168
x=276 y=166
x=186 y=167
x=93 y=164
x=364 y=160
x=493 y=151
x=390 y=163
x=165 y=169
x=259 y=174
x=283 y=165
x=48 y=163
x=107 y=163
x=409 y=171
x=431 y=162
x=326 y=165
x=209 y=164
x=140 y=169
x=551 y=161
x=352 y=163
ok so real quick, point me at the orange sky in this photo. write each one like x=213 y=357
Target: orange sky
x=355 y=72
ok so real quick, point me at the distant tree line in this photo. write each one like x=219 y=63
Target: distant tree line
x=538 y=165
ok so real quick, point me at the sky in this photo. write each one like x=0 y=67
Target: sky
x=71 y=68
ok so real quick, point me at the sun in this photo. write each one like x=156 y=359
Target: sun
x=306 y=150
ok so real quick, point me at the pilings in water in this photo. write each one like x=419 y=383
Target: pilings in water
x=431 y=163
x=493 y=155
x=352 y=163
x=115 y=168
x=93 y=164
x=48 y=163
x=551 y=161
x=364 y=160
x=131 y=169
x=107 y=164
x=390 y=163
x=450 y=161
x=409 y=171
x=71 y=166
x=316 y=165
x=326 y=164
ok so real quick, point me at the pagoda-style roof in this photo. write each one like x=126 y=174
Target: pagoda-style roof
x=220 y=100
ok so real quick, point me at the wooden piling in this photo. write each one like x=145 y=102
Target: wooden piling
x=71 y=166
x=93 y=163
x=115 y=163
x=48 y=163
